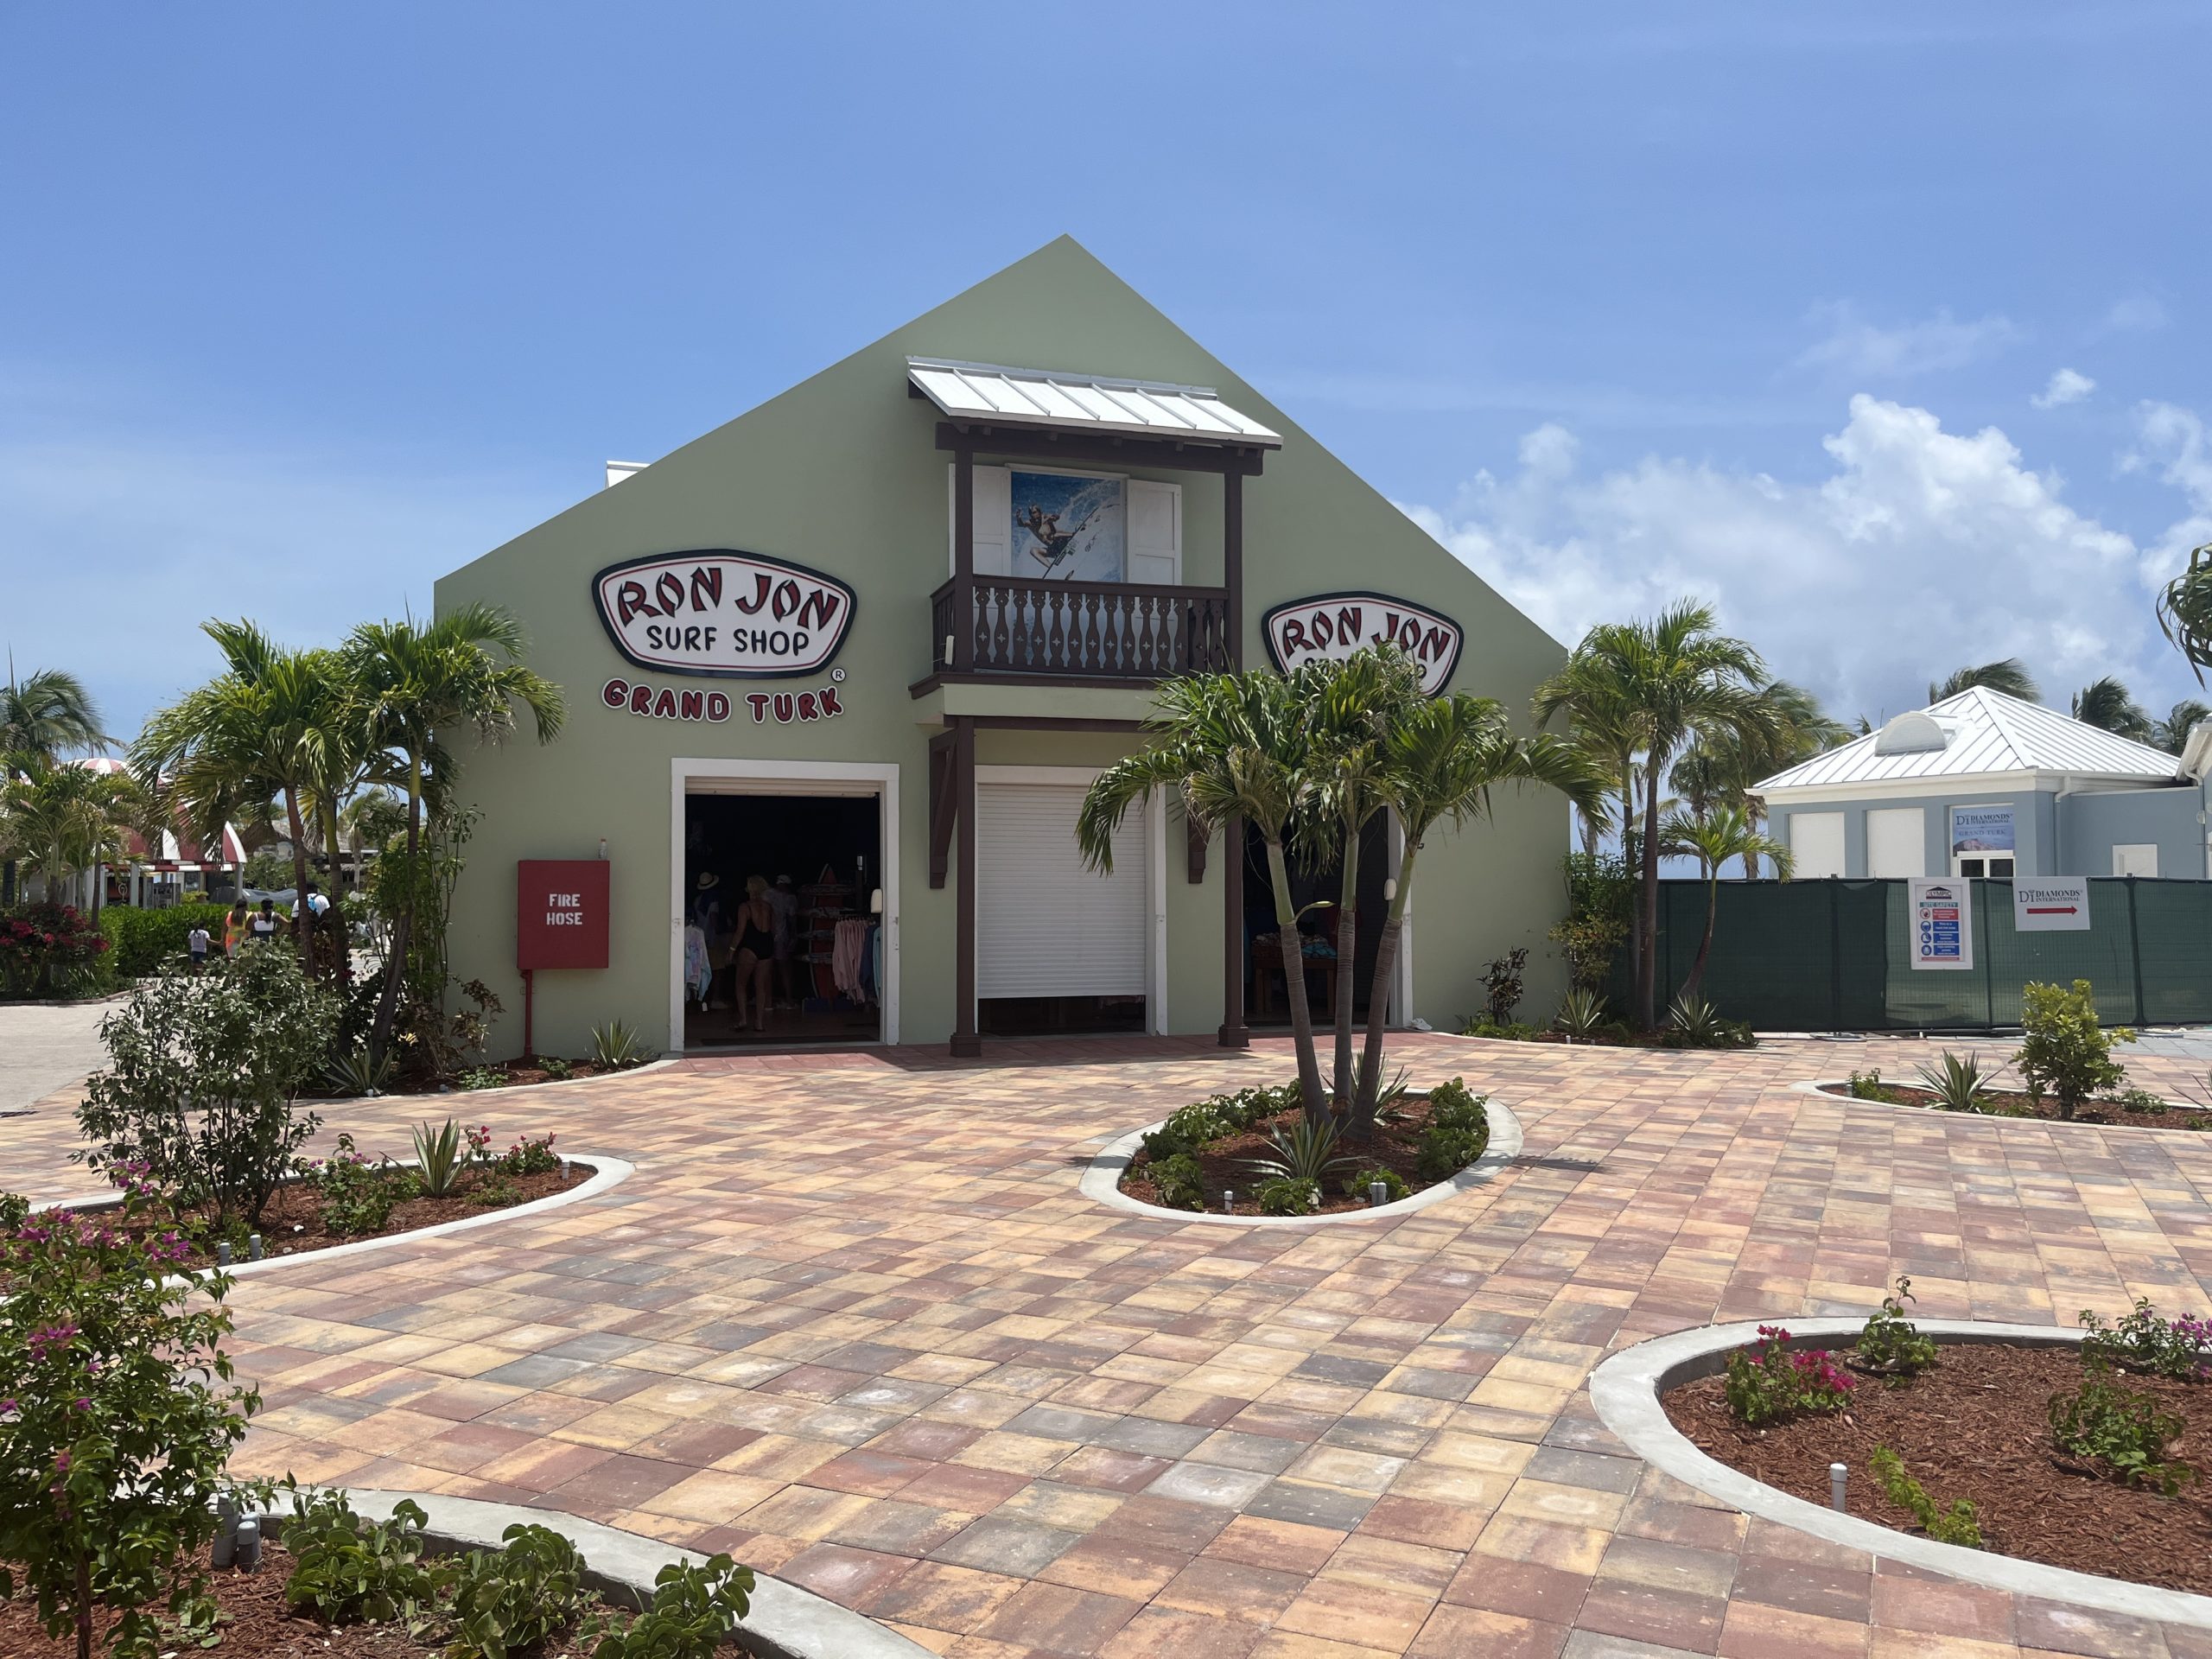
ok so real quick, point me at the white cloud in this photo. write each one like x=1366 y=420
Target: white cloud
x=2136 y=314
x=1856 y=349
x=2066 y=386
x=1920 y=550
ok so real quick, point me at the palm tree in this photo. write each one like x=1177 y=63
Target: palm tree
x=59 y=819
x=2172 y=733
x=1723 y=832
x=2106 y=705
x=414 y=679
x=2008 y=677
x=1233 y=747
x=227 y=749
x=1442 y=758
x=2185 y=610
x=1355 y=704
x=1667 y=682
x=1724 y=766
x=46 y=713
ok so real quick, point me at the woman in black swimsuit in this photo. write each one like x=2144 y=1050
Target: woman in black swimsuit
x=756 y=951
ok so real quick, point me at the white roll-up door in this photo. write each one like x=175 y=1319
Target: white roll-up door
x=1816 y=844
x=1046 y=926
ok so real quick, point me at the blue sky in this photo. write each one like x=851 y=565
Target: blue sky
x=1877 y=328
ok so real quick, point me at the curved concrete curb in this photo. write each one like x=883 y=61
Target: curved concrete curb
x=606 y=1173
x=784 y=1623
x=1826 y=1090
x=1625 y=1390
x=1101 y=1183
x=660 y=1065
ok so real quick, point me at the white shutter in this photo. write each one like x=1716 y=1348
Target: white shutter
x=1045 y=926
x=1897 y=841
x=993 y=537
x=1816 y=844
x=1155 y=520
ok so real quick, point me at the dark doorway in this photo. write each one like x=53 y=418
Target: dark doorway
x=823 y=943
x=1314 y=894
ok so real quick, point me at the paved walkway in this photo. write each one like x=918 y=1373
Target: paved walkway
x=853 y=1321
x=43 y=1049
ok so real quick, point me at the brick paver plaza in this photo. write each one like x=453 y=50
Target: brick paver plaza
x=851 y=1320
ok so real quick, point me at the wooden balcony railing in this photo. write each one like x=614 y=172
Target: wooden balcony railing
x=1103 y=630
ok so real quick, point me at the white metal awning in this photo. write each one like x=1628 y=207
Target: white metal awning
x=1084 y=402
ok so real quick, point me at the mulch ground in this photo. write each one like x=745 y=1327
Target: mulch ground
x=292 y=1224
x=531 y=1070
x=261 y=1626
x=1228 y=1164
x=1974 y=1428
x=2007 y=1102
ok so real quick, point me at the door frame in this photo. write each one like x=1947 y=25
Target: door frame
x=787 y=777
x=1156 y=859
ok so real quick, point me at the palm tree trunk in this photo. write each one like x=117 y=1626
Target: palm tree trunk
x=334 y=917
x=403 y=930
x=1294 y=977
x=1347 y=954
x=1705 y=945
x=302 y=940
x=1378 y=1002
x=1646 y=945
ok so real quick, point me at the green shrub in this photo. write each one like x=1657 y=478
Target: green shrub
x=1187 y=1131
x=52 y=950
x=1582 y=1014
x=203 y=1072
x=2063 y=1051
x=481 y=1076
x=1182 y=1184
x=1457 y=1134
x=2141 y=1341
x=2141 y=1100
x=1393 y=1183
x=528 y=1156
x=615 y=1047
x=556 y=1069
x=358 y=1072
x=1482 y=1025
x=1956 y=1525
x=357 y=1196
x=1301 y=1152
x=2128 y=1433
x=1502 y=984
x=693 y=1609
x=351 y=1571
x=509 y=1601
x=147 y=941
x=1769 y=1384
x=1868 y=1085
x=1283 y=1195
x=117 y=1416
x=440 y=1158
x=1891 y=1343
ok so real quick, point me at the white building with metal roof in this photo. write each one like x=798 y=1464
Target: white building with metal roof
x=1981 y=784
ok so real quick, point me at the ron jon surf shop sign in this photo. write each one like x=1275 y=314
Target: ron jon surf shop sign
x=722 y=613
x=1334 y=625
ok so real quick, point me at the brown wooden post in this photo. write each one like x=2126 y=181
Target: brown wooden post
x=966 y=1043
x=963 y=576
x=1233 y=1033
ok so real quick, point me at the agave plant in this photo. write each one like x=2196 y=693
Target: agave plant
x=361 y=1073
x=1697 y=1020
x=1582 y=1014
x=1304 y=1154
x=1958 y=1083
x=616 y=1047
x=439 y=1158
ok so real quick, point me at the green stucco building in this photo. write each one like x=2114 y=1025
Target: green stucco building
x=876 y=634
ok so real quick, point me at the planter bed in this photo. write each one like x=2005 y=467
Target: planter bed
x=2012 y=1103
x=262 y=1626
x=1974 y=1428
x=1228 y=1163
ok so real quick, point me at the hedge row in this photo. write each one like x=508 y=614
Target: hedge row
x=147 y=940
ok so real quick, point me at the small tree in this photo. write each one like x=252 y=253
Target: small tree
x=118 y=1415
x=2063 y=1051
x=202 y=1077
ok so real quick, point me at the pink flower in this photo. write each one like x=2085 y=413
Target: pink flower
x=52 y=1336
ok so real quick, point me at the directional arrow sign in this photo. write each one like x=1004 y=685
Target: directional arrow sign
x=2050 y=904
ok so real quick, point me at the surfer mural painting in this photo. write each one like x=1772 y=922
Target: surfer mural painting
x=1070 y=529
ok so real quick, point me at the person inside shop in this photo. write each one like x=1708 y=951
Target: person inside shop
x=756 y=951
x=714 y=931
x=782 y=899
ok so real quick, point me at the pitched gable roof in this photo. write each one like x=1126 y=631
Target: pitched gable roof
x=1984 y=732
